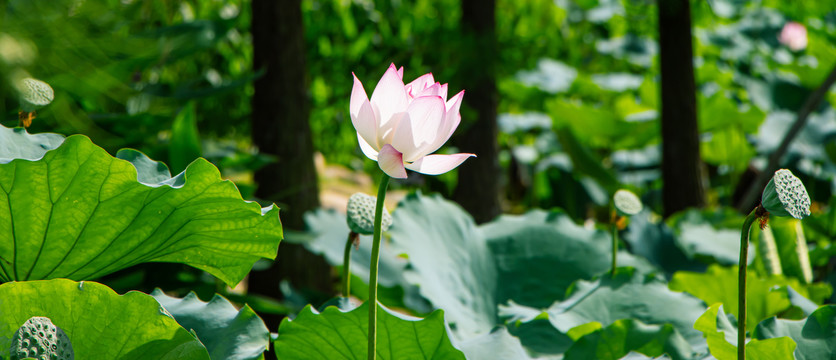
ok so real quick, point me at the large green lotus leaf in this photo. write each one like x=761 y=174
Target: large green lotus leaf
x=100 y=323
x=540 y=254
x=16 y=143
x=765 y=297
x=617 y=340
x=815 y=336
x=721 y=336
x=530 y=259
x=655 y=241
x=335 y=334
x=327 y=234
x=80 y=213
x=227 y=333
x=627 y=295
x=498 y=344
x=710 y=236
x=449 y=260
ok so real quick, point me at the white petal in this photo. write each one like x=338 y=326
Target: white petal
x=443 y=92
x=403 y=139
x=367 y=149
x=452 y=118
x=366 y=124
x=389 y=96
x=400 y=72
x=438 y=164
x=391 y=162
x=386 y=132
x=358 y=96
x=426 y=114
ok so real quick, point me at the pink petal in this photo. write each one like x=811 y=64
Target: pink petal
x=432 y=90
x=389 y=96
x=418 y=85
x=366 y=124
x=453 y=118
x=438 y=164
x=367 y=149
x=426 y=114
x=358 y=96
x=443 y=92
x=391 y=162
x=400 y=72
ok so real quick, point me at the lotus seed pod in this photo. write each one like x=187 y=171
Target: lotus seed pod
x=785 y=195
x=40 y=339
x=627 y=203
x=360 y=214
x=34 y=94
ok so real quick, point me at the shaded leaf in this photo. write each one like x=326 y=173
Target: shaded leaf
x=722 y=339
x=227 y=333
x=100 y=323
x=628 y=295
x=815 y=336
x=540 y=254
x=449 y=261
x=623 y=336
x=185 y=141
x=765 y=297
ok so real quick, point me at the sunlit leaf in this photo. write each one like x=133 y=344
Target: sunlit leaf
x=80 y=213
x=335 y=334
x=100 y=323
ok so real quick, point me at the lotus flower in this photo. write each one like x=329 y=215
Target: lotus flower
x=403 y=124
x=794 y=36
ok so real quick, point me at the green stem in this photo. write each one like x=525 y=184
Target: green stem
x=741 y=283
x=347 y=263
x=378 y=217
x=614 y=241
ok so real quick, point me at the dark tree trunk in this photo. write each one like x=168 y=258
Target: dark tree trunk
x=681 y=176
x=478 y=188
x=280 y=128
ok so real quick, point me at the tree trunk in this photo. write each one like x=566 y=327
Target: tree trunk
x=681 y=176
x=478 y=188
x=280 y=128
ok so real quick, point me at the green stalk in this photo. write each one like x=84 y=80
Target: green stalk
x=347 y=263
x=378 y=217
x=741 y=283
x=614 y=241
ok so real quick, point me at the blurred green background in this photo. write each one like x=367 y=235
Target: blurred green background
x=577 y=85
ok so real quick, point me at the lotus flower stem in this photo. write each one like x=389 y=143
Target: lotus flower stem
x=352 y=238
x=741 y=285
x=614 y=240
x=378 y=217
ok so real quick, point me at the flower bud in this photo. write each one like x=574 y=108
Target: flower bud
x=785 y=195
x=360 y=214
x=627 y=203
